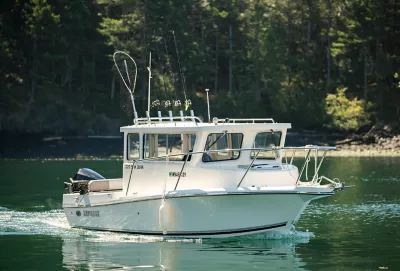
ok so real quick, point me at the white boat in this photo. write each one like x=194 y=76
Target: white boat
x=182 y=177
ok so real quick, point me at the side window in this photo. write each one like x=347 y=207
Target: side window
x=266 y=140
x=133 y=146
x=156 y=145
x=221 y=141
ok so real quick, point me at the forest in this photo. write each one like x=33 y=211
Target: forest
x=329 y=65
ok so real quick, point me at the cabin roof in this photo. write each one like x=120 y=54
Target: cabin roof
x=190 y=126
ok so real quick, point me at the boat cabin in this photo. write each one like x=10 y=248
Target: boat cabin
x=186 y=153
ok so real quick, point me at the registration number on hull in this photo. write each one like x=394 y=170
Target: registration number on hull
x=88 y=213
x=91 y=213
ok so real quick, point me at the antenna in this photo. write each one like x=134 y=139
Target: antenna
x=180 y=67
x=149 y=69
x=129 y=88
x=208 y=106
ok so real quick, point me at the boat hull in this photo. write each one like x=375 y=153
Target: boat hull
x=195 y=216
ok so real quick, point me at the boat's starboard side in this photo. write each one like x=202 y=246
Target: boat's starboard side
x=207 y=214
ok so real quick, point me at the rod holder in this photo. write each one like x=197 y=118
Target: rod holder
x=192 y=114
x=170 y=115
x=159 y=115
x=181 y=114
x=208 y=105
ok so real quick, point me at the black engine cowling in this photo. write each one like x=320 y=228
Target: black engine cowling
x=79 y=183
x=86 y=174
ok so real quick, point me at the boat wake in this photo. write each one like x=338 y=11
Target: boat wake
x=34 y=223
x=293 y=235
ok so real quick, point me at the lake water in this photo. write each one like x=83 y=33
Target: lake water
x=357 y=229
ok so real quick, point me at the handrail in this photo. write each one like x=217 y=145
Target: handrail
x=315 y=177
x=167 y=119
x=255 y=120
x=180 y=173
x=247 y=170
x=327 y=148
x=309 y=148
x=304 y=165
x=130 y=176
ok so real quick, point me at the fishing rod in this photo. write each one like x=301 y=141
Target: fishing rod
x=180 y=68
x=161 y=66
x=170 y=67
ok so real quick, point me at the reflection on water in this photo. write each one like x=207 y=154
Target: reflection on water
x=182 y=255
x=357 y=229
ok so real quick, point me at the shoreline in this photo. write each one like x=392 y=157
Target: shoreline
x=359 y=153
x=364 y=153
x=111 y=147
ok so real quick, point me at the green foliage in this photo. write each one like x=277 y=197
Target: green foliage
x=258 y=58
x=347 y=114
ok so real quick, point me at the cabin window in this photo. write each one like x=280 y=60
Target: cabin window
x=267 y=140
x=220 y=142
x=160 y=145
x=133 y=146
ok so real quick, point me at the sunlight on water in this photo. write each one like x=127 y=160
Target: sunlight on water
x=47 y=223
x=369 y=213
x=375 y=209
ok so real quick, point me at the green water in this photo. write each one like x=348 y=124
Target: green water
x=357 y=229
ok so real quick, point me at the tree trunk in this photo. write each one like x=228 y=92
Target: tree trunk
x=34 y=73
x=328 y=72
x=70 y=82
x=83 y=74
x=112 y=87
x=93 y=81
x=144 y=59
x=365 y=73
x=216 y=60
x=257 y=56
x=202 y=28
x=309 y=26
x=230 y=57
x=289 y=46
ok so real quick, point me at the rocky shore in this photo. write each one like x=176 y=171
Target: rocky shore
x=380 y=140
x=389 y=146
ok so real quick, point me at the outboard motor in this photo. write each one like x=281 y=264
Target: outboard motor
x=86 y=174
x=79 y=183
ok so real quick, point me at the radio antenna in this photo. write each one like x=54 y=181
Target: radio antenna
x=149 y=69
x=208 y=106
x=180 y=67
x=130 y=88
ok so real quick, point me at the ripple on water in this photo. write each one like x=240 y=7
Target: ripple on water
x=374 y=211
